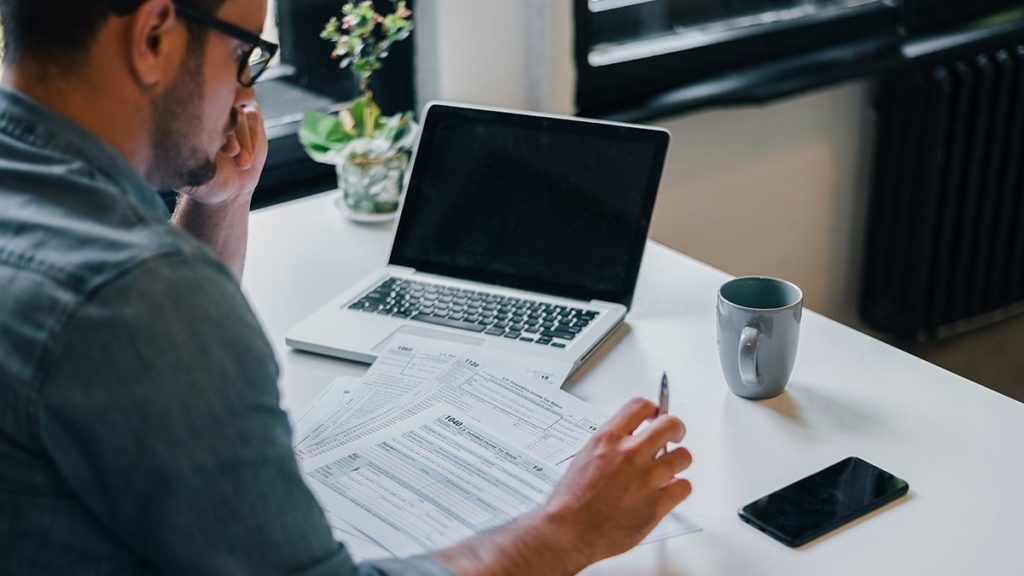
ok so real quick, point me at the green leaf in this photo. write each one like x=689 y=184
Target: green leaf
x=361 y=119
x=362 y=37
x=322 y=133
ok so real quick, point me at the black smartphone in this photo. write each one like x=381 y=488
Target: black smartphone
x=823 y=501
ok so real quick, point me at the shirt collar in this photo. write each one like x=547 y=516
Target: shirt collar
x=28 y=121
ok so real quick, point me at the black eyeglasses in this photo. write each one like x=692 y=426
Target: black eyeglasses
x=260 y=52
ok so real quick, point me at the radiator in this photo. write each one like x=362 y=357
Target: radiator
x=945 y=236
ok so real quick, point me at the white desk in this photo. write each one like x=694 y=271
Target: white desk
x=959 y=445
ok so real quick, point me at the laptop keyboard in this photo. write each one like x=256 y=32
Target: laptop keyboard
x=482 y=312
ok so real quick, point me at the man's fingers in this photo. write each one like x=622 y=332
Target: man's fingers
x=674 y=462
x=231 y=148
x=257 y=131
x=242 y=131
x=677 y=490
x=663 y=429
x=630 y=416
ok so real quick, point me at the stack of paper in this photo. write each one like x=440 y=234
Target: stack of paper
x=440 y=442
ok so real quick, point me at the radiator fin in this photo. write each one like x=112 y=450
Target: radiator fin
x=945 y=238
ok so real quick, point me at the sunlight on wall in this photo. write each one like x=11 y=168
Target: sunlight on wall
x=270 y=31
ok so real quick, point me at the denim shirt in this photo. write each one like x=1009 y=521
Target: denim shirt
x=140 y=423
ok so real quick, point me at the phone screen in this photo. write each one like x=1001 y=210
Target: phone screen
x=823 y=501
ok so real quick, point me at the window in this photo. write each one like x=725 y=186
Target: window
x=638 y=59
x=623 y=30
x=628 y=50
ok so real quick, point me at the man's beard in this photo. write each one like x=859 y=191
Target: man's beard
x=177 y=128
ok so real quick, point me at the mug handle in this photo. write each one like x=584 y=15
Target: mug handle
x=748 y=356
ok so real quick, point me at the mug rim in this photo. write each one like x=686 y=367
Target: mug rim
x=799 y=292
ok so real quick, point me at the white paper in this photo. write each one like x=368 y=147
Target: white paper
x=431 y=482
x=416 y=374
x=332 y=405
x=672 y=525
x=409 y=364
x=514 y=395
x=437 y=479
x=395 y=480
x=358 y=544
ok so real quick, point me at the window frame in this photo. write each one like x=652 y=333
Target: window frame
x=827 y=52
x=821 y=42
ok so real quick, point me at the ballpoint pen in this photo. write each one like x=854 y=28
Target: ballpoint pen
x=663 y=402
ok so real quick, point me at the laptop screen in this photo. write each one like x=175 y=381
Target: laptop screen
x=553 y=205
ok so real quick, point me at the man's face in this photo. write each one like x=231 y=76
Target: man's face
x=195 y=116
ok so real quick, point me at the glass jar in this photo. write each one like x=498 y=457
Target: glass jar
x=371 y=186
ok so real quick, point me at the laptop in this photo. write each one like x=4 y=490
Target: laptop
x=518 y=231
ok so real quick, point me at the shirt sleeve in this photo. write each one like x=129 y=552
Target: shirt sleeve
x=161 y=411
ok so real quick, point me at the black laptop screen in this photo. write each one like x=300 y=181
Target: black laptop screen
x=553 y=205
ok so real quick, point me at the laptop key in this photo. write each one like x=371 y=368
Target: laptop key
x=557 y=345
x=494 y=331
x=470 y=326
x=558 y=334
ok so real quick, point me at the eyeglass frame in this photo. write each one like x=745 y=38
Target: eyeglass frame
x=238 y=33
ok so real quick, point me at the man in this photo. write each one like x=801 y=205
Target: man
x=140 y=428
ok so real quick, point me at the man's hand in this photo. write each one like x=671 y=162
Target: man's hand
x=239 y=163
x=614 y=493
x=617 y=489
x=217 y=213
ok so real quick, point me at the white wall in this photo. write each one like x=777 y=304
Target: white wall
x=503 y=53
x=778 y=190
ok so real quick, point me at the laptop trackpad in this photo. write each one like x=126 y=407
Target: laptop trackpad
x=428 y=333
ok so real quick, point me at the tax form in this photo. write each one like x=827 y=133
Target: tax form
x=336 y=403
x=437 y=479
x=409 y=364
x=395 y=478
x=434 y=480
x=417 y=373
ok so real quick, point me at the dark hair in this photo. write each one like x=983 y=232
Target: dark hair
x=59 y=32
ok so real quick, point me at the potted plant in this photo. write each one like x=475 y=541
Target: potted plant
x=369 y=150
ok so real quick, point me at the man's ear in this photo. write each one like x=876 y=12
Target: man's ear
x=157 y=43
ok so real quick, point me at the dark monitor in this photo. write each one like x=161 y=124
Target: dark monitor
x=549 y=204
